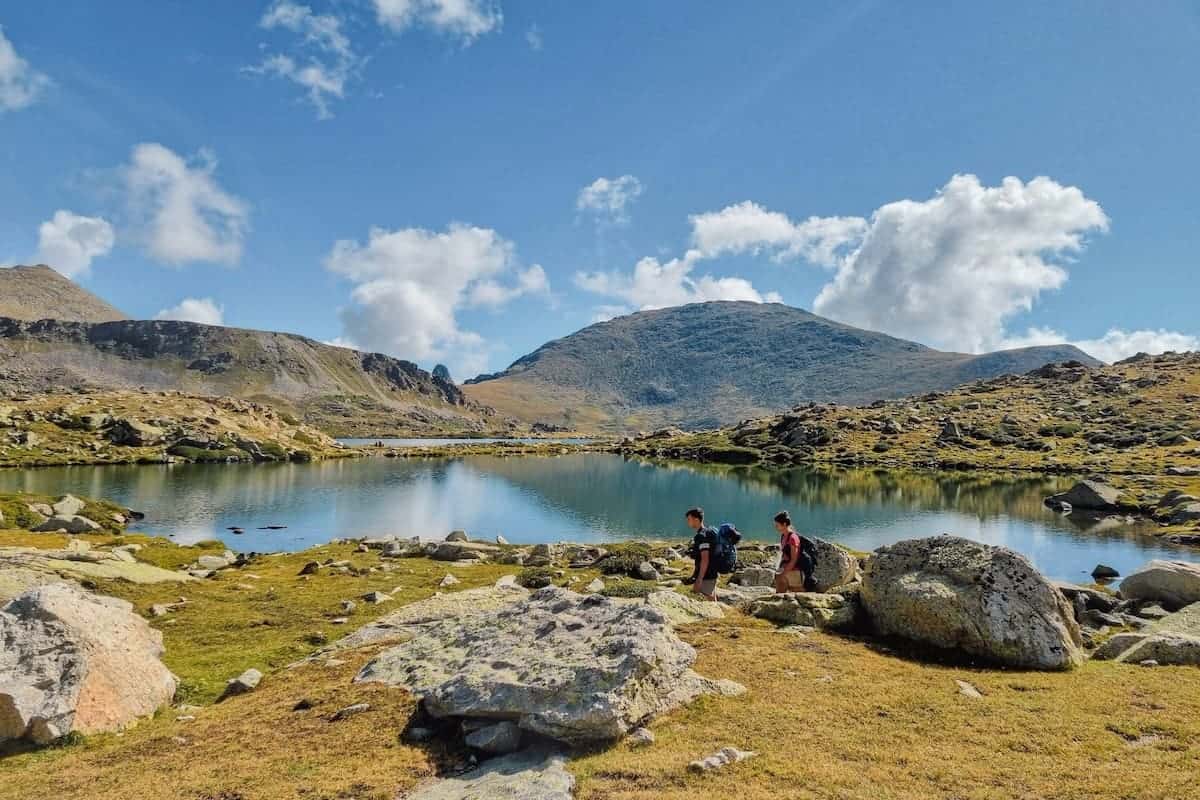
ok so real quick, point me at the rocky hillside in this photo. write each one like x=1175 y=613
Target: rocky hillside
x=152 y=427
x=38 y=292
x=711 y=364
x=342 y=391
x=1139 y=419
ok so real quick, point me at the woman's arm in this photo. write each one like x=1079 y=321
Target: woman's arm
x=795 y=558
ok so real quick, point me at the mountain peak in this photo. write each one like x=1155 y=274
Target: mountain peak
x=37 y=291
x=715 y=363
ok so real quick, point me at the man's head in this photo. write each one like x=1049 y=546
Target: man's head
x=695 y=518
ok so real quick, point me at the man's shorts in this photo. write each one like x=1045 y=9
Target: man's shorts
x=708 y=586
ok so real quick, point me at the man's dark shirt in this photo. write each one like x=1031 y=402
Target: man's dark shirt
x=705 y=541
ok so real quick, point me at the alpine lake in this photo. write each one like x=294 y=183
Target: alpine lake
x=593 y=497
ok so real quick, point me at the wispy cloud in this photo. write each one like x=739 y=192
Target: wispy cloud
x=20 y=84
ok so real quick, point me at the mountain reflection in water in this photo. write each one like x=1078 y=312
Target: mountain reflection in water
x=595 y=497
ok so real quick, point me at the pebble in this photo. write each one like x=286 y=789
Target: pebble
x=350 y=711
x=641 y=737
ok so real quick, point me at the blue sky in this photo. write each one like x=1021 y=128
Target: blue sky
x=460 y=181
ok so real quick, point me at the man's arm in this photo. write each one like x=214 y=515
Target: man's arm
x=702 y=569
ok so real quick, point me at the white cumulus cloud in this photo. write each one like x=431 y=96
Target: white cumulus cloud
x=20 y=84
x=68 y=242
x=748 y=227
x=658 y=284
x=195 y=309
x=1114 y=345
x=324 y=59
x=467 y=19
x=610 y=198
x=410 y=283
x=180 y=212
x=950 y=271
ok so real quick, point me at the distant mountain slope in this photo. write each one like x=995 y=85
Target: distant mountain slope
x=341 y=391
x=39 y=292
x=709 y=364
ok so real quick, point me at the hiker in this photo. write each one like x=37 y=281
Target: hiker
x=798 y=558
x=704 y=578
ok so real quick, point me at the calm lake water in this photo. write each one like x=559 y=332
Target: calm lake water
x=444 y=442
x=592 y=497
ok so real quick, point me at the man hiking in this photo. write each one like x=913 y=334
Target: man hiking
x=798 y=558
x=704 y=578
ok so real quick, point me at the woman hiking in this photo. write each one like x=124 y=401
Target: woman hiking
x=798 y=558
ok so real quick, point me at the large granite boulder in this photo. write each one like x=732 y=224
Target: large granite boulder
x=1175 y=584
x=958 y=594
x=811 y=609
x=75 y=661
x=576 y=668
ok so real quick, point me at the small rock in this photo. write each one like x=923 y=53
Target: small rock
x=502 y=737
x=304 y=704
x=212 y=562
x=348 y=606
x=1105 y=572
x=721 y=758
x=418 y=735
x=375 y=598
x=350 y=711
x=968 y=690
x=596 y=585
x=246 y=682
x=68 y=506
x=645 y=571
x=1149 y=662
x=186 y=718
x=500 y=539
x=641 y=737
x=456 y=536
x=311 y=568
x=449 y=580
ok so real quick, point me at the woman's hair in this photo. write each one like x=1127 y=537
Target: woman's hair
x=783 y=518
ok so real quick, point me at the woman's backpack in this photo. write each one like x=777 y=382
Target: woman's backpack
x=725 y=549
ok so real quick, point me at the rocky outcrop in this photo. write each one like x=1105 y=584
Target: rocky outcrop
x=957 y=594
x=1091 y=496
x=810 y=609
x=529 y=775
x=1175 y=584
x=835 y=566
x=74 y=661
x=576 y=668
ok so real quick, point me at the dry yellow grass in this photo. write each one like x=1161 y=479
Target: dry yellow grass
x=252 y=747
x=837 y=718
x=831 y=717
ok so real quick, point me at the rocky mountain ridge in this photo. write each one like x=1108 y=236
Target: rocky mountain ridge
x=337 y=389
x=710 y=364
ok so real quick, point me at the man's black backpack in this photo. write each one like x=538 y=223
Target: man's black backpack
x=725 y=548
